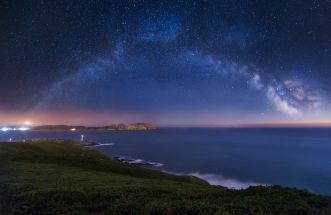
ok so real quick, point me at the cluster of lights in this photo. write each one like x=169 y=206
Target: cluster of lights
x=14 y=129
x=24 y=127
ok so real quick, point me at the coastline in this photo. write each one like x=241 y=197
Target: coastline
x=141 y=126
x=210 y=178
x=63 y=177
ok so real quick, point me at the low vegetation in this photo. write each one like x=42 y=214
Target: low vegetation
x=63 y=178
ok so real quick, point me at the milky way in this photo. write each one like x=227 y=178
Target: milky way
x=170 y=62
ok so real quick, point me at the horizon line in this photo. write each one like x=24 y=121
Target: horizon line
x=203 y=125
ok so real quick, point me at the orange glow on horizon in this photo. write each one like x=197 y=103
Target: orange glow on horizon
x=101 y=118
x=77 y=118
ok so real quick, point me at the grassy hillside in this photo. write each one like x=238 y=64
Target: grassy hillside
x=63 y=178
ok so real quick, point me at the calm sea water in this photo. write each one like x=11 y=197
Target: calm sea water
x=232 y=157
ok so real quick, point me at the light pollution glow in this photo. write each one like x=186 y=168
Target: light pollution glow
x=99 y=118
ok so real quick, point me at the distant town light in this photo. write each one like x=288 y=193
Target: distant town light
x=23 y=128
x=5 y=129
x=73 y=129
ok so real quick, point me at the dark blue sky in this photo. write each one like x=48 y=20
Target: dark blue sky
x=168 y=62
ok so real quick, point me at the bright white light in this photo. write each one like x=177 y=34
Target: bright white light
x=5 y=129
x=23 y=128
x=73 y=129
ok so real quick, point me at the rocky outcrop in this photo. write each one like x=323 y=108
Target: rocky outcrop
x=133 y=126
x=141 y=126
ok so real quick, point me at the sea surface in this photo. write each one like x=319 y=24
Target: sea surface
x=232 y=157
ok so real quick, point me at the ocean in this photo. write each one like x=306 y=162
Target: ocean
x=231 y=157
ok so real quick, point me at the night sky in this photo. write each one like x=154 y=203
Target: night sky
x=165 y=62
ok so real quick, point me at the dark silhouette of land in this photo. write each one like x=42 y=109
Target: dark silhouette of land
x=133 y=126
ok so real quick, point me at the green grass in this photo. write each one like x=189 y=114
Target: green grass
x=63 y=178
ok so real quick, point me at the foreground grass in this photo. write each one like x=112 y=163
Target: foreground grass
x=63 y=178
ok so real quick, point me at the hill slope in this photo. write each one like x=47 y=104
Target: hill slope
x=63 y=178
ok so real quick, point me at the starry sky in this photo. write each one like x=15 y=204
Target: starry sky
x=178 y=62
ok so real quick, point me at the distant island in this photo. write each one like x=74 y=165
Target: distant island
x=133 y=126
